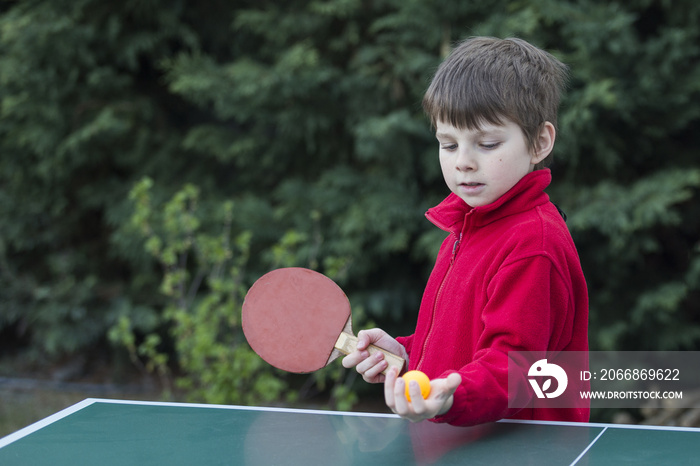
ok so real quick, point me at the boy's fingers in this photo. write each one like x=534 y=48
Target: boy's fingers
x=414 y=391
x=399 y=394
x=374 y=368
x=362 y=340
x=453 y=382
x=349 y=361
x=366 y=361
x=354 y=359
x=389 y=383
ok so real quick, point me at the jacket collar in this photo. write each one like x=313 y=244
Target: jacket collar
x=451 y=213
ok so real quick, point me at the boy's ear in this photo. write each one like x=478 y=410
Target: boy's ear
x=545 y=143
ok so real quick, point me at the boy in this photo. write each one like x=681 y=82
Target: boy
x=507 y=277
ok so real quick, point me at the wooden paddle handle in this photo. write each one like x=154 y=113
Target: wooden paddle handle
x=347 y=343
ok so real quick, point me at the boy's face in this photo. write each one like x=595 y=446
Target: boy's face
x=481 y=165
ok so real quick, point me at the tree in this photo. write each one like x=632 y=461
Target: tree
x=306 y=114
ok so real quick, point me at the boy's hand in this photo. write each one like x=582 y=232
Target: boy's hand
x=371 y=367
x=438 y=402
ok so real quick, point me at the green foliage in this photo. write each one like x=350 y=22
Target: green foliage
x=77 y=123
x=203 y=280
x=306 y=114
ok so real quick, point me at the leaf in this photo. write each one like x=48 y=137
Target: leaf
x=546 y=385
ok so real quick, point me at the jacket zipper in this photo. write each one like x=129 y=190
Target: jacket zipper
x=454 y=254
x=455 y=248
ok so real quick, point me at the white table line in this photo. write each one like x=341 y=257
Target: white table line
x=588 y=447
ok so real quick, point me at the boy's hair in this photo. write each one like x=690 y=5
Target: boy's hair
x=486 y=79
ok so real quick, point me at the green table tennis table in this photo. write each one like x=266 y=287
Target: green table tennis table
x=115 y=432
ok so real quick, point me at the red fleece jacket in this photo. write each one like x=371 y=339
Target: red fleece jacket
x=507 y=278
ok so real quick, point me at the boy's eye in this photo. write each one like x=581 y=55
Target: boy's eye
x=449 y=147
x=490 y=145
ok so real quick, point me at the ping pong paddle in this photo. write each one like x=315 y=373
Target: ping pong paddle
x=299 y=320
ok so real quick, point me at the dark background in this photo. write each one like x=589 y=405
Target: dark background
x=156 y=157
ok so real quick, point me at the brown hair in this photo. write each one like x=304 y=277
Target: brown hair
x=486 y=79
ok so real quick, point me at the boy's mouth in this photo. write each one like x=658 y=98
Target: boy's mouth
x=470 y=188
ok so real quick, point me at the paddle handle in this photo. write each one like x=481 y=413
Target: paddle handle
x=347 y=343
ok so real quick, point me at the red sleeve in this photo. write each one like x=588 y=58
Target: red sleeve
x=526 y=311
x=407 y=343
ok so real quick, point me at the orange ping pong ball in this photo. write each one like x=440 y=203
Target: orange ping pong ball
x=423 y=383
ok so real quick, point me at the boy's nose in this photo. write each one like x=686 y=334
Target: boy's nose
x=465 y=161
